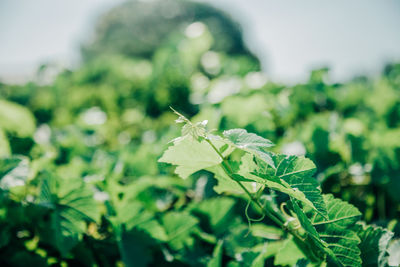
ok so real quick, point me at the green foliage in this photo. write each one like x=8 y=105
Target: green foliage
x=7 y=164
x=295 y=174
x=250 y=142
x=199 y=157
x=71 y=203
x=16 y=119
x=374 y=245
x=335 y=231
x=84 y=179
x=324 y=232
x=288 y=254
x=216 y=260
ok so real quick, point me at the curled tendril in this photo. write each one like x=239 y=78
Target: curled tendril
x=249 y=219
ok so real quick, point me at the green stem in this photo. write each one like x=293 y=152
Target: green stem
x=267 y=209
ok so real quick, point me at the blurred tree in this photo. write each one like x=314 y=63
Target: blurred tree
x=179 y=39
x=137 y=28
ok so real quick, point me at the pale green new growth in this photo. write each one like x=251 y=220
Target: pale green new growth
x=190 y=156
x=251 y=143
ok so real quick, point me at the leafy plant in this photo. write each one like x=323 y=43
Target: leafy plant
x=80 y=184
x=325 y=229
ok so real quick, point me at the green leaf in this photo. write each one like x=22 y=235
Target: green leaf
x=216 y=260
x=7 y=164
x=288 y=254
x=244 y=140
x=13 y=172
x=190 y=156
x=344 y=246
x=292 y=175
x=259 y=261
x=297 y=172
x=72 y=206
x=218 y=211
x=16 y=119
x=335 y=231
x=374 y=244
x=315 y=247
x=76 y=195
x=135 y=248
x=67 y=229
x=132 y=214
x=226 y=184
x=250 y=143
x=154 y=229
x=340 y=214
x=5 y=149
x=179 y=226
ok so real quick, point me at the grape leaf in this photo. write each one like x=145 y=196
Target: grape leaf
x=227 y=185
x=340 y=213
x=333 y=234
x=292 y=176
x=266 y=250
x=216 y=260
x=190 y=156
x=135 y=248
x=72 y=205
x=244 y=140
x=374 y=244
x=288 y=254
x=343 y=244
x=219 y=212
x=297 y=172
x=132 y=215
x=315 y=248
x=250 y=143
x=335 y=230
x=179 y=226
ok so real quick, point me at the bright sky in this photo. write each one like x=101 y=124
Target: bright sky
x=291 y=37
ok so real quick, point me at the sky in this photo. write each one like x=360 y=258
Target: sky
x=290 y=37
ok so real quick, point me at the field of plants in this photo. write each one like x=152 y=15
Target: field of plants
x=185 y=154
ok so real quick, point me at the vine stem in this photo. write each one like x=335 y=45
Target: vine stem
x=267 y=209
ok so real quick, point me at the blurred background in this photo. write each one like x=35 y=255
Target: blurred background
x=289 y=38
x=85 y=93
